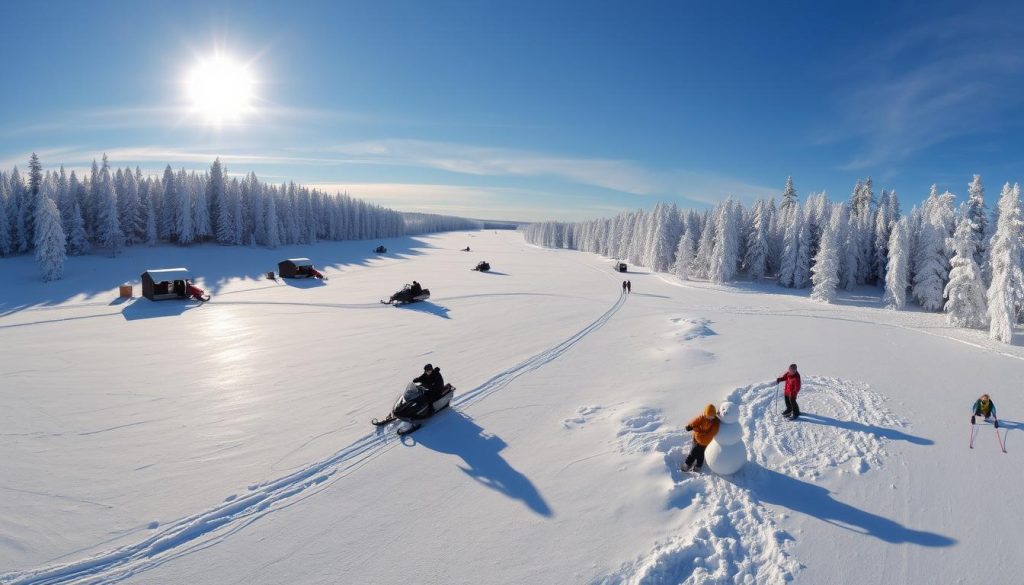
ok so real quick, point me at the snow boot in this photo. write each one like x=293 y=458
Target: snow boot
x=686 y=467
x=972 y=419
x=697 y=468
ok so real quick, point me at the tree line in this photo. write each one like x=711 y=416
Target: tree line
x=959 y=259
x=55 y=214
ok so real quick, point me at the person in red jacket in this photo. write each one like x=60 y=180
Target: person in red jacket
x=792 y=379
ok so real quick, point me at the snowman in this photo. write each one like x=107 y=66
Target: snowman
x=726 y=454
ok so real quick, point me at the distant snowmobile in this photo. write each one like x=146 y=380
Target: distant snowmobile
x=196 y=293
x=483 y=266
x=415 y=405
x=466 y=249
x=380 y=250
x=408 y=294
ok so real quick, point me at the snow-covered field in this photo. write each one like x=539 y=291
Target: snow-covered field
x=229 y=442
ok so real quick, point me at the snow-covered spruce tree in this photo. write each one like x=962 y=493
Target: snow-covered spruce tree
x=665 y=239
x=1006 y=293
x=897 y=271
x=685 y=253
x=825 y=273
x=202 y=225
x=802 y=271
x=849 y=250
x=932 y=267
x=78 y=239
x=701 y=267
x=272 y=221
x=724 y=256
x=756 y=258
x=108 y=223
x=788 y=204
x=5 y=234
x=50 y=240
x=965 y=292
x=882 y=231
x=130 y=209
x=790 y=249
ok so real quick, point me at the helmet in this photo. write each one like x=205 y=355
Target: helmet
x=428 y=367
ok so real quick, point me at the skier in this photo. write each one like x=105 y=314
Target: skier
x=704 y=428
x=623 y=287
x=792 y=379
x=629 y=286
x=984 y=406
x=431 y=380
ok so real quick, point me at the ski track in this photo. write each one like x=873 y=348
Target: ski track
x=726 y=533
x=213 y=525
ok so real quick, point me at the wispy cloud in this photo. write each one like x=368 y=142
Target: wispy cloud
x=940 y=80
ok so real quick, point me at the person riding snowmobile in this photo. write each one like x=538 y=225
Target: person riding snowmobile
x=431 y=380
x=416 y=288
x=984 y=406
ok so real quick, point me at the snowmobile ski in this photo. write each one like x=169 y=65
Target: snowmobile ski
x=411 y=429
x=383 y=421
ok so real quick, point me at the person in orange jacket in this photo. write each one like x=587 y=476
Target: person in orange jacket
x=704 y=428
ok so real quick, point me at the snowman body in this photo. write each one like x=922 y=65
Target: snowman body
x=726 y=454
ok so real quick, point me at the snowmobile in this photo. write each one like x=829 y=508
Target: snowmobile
x=415 y=405
x=466 y=249
x=406 y=296
x=195 y=292
x=380 y=250
x=482 y=266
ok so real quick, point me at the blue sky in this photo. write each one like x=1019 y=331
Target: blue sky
x=532 y=110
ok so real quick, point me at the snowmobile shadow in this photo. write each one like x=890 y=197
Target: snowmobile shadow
x=426 y=307
x=145 y=309
x=820 y=419
x=776 y=488
x=496 y=273
x=457 y=434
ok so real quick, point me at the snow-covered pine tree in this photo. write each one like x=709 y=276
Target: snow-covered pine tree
x=790 y=248
x=897 y=271
x=50 y=240
x=931 y=269
x=183 y=216
x=802 y=270
x=78 y=238
x=108 y=223
x=825 y=272
x=725 y=254
x=1006 y=293
x=202 y=226
x=755 y=260
x=965 y=293
x=5 y=226
x=273 y=237
x=685 y=253
x=701 y=267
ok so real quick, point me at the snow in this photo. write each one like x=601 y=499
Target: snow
x=254 y=460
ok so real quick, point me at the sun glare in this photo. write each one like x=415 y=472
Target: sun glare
x=220 y=89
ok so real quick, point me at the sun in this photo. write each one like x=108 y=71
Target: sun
x=220 y=90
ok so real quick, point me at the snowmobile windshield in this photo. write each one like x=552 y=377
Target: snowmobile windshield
x=412 y=392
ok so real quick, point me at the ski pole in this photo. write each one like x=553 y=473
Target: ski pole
x=1000 y=439
x=777 y=399
x=972 y=435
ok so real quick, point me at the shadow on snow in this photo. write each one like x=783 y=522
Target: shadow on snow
x=457 y=434
x=820 y=419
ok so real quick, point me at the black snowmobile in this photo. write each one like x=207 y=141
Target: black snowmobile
x=407 y=295
x=380 y=250
x=482 y=266
x=415 y=405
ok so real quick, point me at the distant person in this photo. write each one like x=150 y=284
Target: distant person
x=704 y=428
x=984 y=406
x=629 y=286
x=792 y=379
x=623 y=287
x=416 y=288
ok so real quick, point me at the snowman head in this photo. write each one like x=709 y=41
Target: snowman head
x=728 y=413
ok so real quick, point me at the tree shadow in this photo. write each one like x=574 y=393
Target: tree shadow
x=96 y=275
x=143 y=308
x=426 y=307
x=813 y=500
x=457 y=434
x=820 y=419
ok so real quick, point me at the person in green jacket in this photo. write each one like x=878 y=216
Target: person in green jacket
x=984 y=406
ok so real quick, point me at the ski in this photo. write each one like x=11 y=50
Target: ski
x=382 y=422
x=413 y=428
x=999 y=438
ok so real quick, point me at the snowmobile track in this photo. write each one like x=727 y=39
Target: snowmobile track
x=186 y=535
